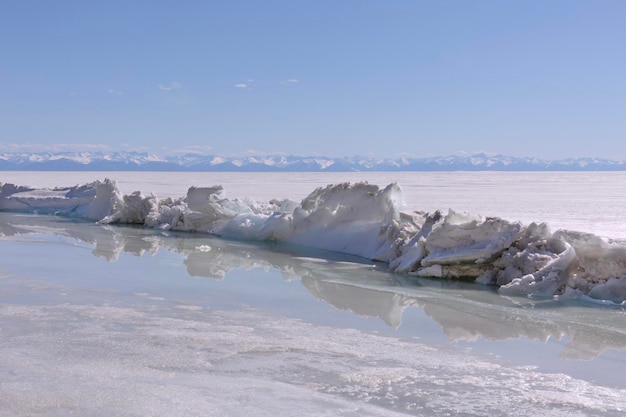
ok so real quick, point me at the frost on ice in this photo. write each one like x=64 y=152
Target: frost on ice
x=365 y=220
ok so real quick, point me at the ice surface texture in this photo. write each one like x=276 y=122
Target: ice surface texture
x=365 y=220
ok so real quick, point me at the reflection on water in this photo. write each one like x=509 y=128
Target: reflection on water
x=466 y=312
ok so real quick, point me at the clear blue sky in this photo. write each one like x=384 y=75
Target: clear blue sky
x=526 y=78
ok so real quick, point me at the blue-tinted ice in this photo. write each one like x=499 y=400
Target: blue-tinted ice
x=116 y=320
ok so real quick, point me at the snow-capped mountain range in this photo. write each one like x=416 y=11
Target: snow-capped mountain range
x=141 y=161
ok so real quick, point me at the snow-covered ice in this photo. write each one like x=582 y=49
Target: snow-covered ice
x=370 y=222
x=115 y=320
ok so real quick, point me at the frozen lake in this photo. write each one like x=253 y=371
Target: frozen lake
x=589 y=202
x=124 y=321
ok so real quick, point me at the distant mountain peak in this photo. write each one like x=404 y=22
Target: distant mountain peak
x=144 y=161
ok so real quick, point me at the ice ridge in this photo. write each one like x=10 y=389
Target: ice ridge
x=368 y=221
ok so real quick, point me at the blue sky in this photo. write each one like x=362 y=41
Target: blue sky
x=334 y=78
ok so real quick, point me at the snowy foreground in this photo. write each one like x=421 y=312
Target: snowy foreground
x=364 y=220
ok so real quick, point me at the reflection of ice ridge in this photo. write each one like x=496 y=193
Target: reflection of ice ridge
x=364 y=220
x=461 y=309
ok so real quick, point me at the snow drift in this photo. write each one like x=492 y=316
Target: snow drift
x=365 y=220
